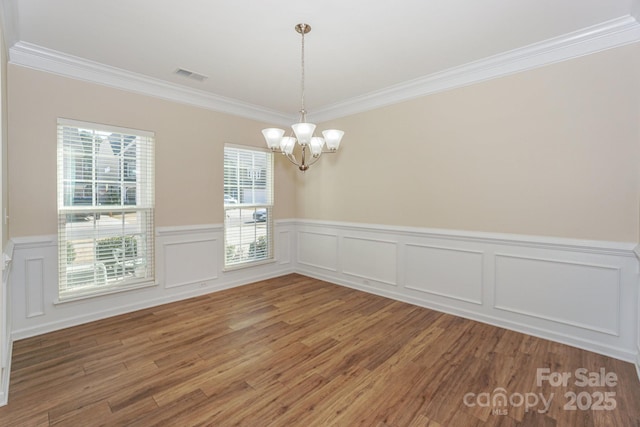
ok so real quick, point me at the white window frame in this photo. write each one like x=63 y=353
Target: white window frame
x=248 y=240
x=112 y=248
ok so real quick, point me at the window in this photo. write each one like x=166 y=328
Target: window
x=248 y=203
x=105 y=209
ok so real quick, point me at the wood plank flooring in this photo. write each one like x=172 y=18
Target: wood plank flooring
x=295 y=351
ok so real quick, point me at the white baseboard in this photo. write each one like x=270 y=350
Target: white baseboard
x=5 y=374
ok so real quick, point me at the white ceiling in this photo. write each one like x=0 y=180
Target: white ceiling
x=250 y=52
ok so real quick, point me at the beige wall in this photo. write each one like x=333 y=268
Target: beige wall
x=553 y=151
x=189 y=149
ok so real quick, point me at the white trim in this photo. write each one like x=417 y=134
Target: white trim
x=101 y=127
x=109 y=291
x=547 y=242
x=6 y=343
x=43 y=59
x=7 y=255
x=614 y=33
x=34 y=308
x=5 y=373
x=21 y=243
x=247 y=147
x=189 y=229
x=606 y=35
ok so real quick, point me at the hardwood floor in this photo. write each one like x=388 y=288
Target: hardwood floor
x=295 y=351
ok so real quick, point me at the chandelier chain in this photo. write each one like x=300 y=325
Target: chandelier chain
x=303 y=111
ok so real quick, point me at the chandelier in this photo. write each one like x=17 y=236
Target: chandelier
x=303 y=131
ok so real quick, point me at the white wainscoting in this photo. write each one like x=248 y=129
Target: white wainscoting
x=188 y=263
x=582 y=293
x=6 y=344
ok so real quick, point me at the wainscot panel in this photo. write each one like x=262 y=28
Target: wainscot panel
x=452 y=273
x=370 y=259
x=318 y=250
x=190 y=262
x=581 y=293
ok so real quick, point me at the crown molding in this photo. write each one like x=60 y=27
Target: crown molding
x=607 y=35
x=43 y=59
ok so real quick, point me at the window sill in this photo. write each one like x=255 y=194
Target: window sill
x=109 y=291
x=249 y=264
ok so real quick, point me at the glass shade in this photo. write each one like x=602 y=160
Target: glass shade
x=304 y=132
x=316 y=145
x=273 y=136
x=333 y=137
x=287 y=144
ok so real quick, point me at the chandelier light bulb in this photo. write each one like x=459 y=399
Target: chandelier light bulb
x=316 y=145
x=273 y=136
x=287 y=145
x=304 y=132
x=333 y=137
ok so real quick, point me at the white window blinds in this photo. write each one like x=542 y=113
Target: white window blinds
x=248 y=203
x=105 y=208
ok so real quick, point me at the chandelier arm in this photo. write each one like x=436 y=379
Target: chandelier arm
x=292 y=159
x=304 y=156
x=315 y=159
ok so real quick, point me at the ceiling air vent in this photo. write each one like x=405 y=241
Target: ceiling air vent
x=190 y=75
